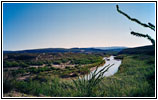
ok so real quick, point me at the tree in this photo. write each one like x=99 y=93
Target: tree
x=149 y=25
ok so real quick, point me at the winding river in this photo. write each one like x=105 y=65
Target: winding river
x=110 y=70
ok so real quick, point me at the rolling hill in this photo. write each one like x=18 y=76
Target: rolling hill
x=75 y=50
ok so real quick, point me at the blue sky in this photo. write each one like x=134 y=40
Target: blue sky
x=67 y=25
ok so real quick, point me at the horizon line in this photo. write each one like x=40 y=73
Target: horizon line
x=71 y=47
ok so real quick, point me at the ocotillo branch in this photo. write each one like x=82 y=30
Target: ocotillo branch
x=149 y=25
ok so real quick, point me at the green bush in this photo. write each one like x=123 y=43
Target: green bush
x=10 y=64
x=57 y=62
x=86 y=85
x=8 y=80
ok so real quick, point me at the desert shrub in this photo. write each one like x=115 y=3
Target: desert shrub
x=119 y=57
x=23 y=64
x=8 y=82
x=53 y=68
x=84 y=70
x=10 y=64
x=86 y=85
x=65 y=74
x=57 y=62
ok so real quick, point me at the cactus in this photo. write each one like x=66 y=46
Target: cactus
x=149 y=25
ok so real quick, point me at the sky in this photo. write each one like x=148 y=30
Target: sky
x=68 y=25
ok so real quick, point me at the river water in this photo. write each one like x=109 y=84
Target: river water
x=112 y=70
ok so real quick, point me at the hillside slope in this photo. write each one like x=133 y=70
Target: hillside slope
x=148 y=50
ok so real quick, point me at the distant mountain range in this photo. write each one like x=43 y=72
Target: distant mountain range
x=111 y=48
x=77 y=50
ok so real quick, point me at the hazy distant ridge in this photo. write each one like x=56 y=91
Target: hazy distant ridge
x=110 y=48
x=55 y=50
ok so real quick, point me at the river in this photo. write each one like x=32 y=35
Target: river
x=112 y=70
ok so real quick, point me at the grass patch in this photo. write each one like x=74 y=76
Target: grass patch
x=135 y=78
